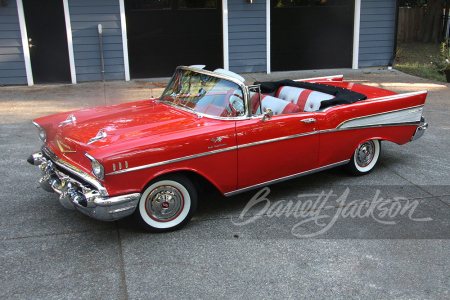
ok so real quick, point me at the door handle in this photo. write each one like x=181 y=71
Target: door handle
x=310 y=120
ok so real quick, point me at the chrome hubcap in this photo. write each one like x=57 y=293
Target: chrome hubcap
x=365 y=153
x=164 y=203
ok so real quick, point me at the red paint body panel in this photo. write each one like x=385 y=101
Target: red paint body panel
x=151 y=138
x=261 y=163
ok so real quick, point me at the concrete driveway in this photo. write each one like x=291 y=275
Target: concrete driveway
x=383 y=235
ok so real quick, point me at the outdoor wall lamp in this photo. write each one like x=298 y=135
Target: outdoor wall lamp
x=249 y=1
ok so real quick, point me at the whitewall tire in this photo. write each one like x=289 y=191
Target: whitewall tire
x=166 y=204
x=365 y=157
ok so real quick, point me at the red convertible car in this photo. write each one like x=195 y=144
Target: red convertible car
x=146 y=158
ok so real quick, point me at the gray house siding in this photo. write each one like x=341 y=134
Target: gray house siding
x=377 y=32
x=247 y=36
x=12 y=64
x=85 y=15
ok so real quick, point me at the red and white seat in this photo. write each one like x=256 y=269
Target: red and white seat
x=278 y=106
x=307 y=100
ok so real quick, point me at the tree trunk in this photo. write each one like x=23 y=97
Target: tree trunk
x=444 y=30
x=433 y=21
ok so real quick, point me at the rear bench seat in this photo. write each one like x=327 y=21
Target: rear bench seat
x=307 y=100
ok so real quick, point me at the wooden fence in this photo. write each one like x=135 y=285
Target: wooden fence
x=410 y=22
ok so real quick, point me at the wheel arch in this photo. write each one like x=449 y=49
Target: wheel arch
x=199 y=180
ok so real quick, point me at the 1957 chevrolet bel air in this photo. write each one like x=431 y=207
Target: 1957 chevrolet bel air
x=145 y=158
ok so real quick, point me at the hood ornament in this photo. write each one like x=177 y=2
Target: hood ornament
x=70 y=119
x=100 y=135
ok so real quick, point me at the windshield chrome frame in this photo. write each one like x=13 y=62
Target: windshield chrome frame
x=241 y=85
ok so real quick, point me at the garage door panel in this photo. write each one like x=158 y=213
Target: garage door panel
x=165 y=34
x=311 y=34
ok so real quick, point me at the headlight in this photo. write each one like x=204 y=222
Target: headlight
x=97 y=167
x=41 y=132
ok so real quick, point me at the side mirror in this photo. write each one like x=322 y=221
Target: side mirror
x=267 y=114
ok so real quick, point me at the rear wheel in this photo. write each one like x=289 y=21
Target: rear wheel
x=365 y=158
x=167 y=204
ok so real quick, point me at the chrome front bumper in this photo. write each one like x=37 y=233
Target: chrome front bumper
x=420 y=131
x=81 y=192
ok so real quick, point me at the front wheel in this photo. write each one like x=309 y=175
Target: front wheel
x=365 y=158
x=167 y=204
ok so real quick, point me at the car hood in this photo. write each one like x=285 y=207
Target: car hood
x=121 y=123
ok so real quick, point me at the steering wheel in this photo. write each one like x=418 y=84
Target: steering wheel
x=231 y=104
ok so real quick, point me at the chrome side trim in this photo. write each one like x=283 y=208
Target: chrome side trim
x=370 y=126
x=80 y=173
x=172 y=161
x=287 y=178
x=405 y=115
x=278 y=139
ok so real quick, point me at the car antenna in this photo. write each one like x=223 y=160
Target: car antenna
x=151 y=89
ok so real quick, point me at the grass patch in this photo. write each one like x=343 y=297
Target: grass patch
x=417 y=59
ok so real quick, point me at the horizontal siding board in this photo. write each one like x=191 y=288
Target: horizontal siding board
x=84 y=18
x=89 y=3
x=14 y=73
x=99 y=18
x=376 y=50
x=250 y=55
x=374 y=37
x=96 y=47
x=248 y=62
x=82 y=10
x=382 y=30
x=248 y=48
x=11 y=57
x=248 y=69
x=9 y=34
x=240 y=5
x=97 y=77
x=368 y=17
x=375 y=44
x=12 y=65
x=94 y=24
x=376 y=11
x=247 y=28
x=245 y=35
x=92 y=31
x=373 y=63
x=372 y=56
x=96 y=62
x=13 y=80
x=10 y=50
x=379 y=3
x=247 y=21
x=96 y=54
x=247 y=42
x=95 y=40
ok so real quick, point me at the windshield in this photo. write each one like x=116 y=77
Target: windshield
x=204 y=94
